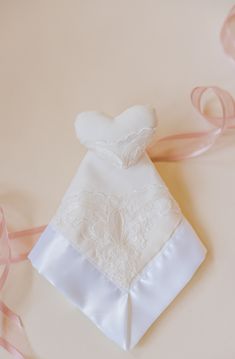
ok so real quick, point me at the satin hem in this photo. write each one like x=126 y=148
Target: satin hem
x=123 y=316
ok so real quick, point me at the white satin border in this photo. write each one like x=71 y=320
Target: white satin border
x=123 y=316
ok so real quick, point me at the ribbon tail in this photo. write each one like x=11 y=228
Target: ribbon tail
x=10 y=314
x=11 y=349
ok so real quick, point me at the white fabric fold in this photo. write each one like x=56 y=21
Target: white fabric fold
x=122 y=315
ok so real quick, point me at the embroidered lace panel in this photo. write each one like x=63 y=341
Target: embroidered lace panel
x=113 y=231
x=125 y=151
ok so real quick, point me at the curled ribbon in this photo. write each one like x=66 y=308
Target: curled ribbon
x=192 y=144
x=170 y=148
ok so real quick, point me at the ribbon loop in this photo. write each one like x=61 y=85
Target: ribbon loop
x=192 y=144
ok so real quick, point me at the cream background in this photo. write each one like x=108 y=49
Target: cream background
x=61 y=57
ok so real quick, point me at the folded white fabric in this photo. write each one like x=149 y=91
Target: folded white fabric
x=118 y=246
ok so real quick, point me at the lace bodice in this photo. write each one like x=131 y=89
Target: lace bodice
x=121 y=140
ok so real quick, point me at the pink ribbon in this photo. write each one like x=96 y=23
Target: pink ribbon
x=170 y=148
x=192 y=144
x=6 y=260
x=227 y=36
x=187 y=145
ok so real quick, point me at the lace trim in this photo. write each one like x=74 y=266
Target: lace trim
x=113 y=231
x=125 y=151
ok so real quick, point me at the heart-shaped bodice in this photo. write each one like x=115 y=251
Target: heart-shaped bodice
x=122 y=139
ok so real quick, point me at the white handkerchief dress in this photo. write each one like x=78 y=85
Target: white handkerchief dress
x=118 y=246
